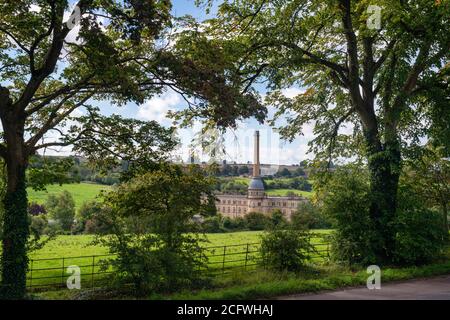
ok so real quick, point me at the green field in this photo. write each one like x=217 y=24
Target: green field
x=277 y=192
x=284 y=192
x=81 y=192
x=243 y=180
x=50 y=263
x=79 y=245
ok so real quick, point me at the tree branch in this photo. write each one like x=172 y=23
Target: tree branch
x=55 y=118
x=60 y=31
x=4 y=29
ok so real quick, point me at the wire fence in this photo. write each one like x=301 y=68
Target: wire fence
x=48 y=273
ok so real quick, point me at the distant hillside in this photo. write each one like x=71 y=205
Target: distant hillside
x=81 y=192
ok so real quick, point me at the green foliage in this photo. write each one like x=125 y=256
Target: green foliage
x=257 y=221
x=61 y=208
x=277 y=219
x=389 y=85
x=298 y=183
x=428 y=173
x=81 y=192
x=96 y=225
x=47 y=76
x=161 y=255
x=234 y=224
x=234 y=187
x=420 y=235
x=213 y=224
x=45 y=171
x=81 y=170
x=210 y=208
x=285 y=249
x=284 y=173
x=87 y=217
x=243 y=170
x=309 y=216
x=140 y=144
x=345 y=202
x=38 y=225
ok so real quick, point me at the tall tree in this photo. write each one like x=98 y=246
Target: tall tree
x=352 y=70
x=55 y=60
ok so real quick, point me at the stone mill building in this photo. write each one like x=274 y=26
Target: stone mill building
x=256 y=200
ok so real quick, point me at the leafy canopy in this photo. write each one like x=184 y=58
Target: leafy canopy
x=387 y=82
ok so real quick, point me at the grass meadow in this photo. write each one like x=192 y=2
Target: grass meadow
x=225 y=251
x=277 y=192
x=284 y=192
x=81 y=192
x=80 y=245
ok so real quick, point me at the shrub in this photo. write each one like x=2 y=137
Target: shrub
x=420 y=235
x=38 y=225
x=35 y=209
x=234 y=224
x=212 y=224
x=97 y=225
x=161 y=256
x=285 y=249
x=257 y=221
x=309 y=216
x=61 y=208
x=277 y=219
x=234 y=187
x=87 y=213
x=151 y=266
x=345 y=202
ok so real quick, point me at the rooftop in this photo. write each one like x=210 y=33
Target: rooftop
x=256 y=184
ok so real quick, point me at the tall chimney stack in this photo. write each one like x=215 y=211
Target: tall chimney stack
x=256 y=169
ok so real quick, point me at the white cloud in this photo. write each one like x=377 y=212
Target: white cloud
x=35 y=8
x=156 y=108
x=72 y=19
x=292 y=92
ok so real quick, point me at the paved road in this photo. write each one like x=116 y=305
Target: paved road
x=426 y=289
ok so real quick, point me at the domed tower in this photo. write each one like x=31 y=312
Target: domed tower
x=256 y=186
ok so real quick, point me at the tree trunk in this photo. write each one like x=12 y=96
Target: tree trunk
x=16 y=224
x=384 y=166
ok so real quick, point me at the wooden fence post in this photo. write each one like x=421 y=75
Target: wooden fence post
x=246 y=257
x=31 y=274
x=62 y=273
x=92 y=273
x=223 y=261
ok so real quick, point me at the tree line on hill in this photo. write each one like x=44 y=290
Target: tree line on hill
x=77 y=169
x=227 y=170
x=73 y=169
x=233 y=186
